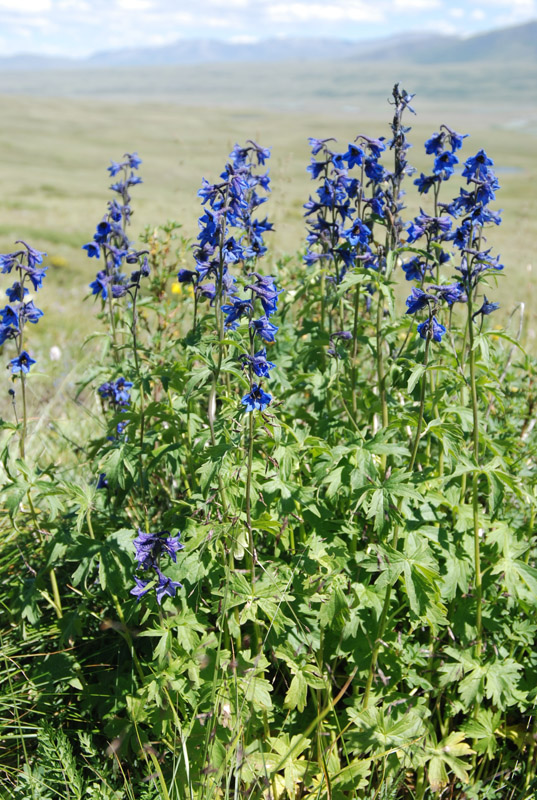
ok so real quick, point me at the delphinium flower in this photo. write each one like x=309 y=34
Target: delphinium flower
x=442 y=145
x=14 y=316
x=470 y=209
x=150 y=548
x=230 y=234
x=400 y=146
x=111 y=244
x=341 y=218
x=231 y=238
x=431 y=328
x=118 y=397
x=26 y=263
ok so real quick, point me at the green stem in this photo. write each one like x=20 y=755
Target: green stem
x=22 y=441
x=128 y=638
x=142 y=409
x=251 y=543
x=385 y=608
x=354 y=370
x=475 y=485
x=381 y=377
x=422 y=406
x=52 y=574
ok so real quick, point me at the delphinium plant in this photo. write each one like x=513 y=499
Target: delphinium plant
x=26 y=265
x=353 y=476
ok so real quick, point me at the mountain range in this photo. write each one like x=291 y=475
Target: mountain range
x=517 y=43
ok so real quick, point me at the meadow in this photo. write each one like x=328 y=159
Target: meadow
x=312 y=577
x=60 y=128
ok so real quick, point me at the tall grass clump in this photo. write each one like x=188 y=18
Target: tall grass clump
x=288 y=547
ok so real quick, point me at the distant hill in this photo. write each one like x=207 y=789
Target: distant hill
x=505 y=45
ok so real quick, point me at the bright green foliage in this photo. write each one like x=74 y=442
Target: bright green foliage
x=329 y=641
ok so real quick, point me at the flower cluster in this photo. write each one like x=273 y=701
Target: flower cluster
x=150 y=547
x=111 y=241
x=13 y=317
x=231 y=234
x=118 y=397
x=472 y=212
x=339 y=220
x=400 y=146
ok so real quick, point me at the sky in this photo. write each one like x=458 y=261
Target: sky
x=77 y=28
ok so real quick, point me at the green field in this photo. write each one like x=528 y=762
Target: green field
x=60 y=130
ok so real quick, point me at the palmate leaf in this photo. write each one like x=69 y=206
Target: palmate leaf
x=497 y=680
x=482 y=729
x=419 y=571
x=377 y=732
x=520 y=578
x=114 y=557
x=448 y=754
x=297 y=693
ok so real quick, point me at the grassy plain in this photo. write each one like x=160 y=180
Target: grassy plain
x=60 y=130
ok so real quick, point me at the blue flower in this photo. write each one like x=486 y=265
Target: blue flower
x=414 y=269
x=93 y=249
x=116 y=392
x=454 y=293
x=100 y=285
x=431 y=328
x=444 y=164
x=486 y=308
x=114 y=168
x=150 y=546
x=264 y=328
x=10 y=316
x=33 y=256
x=30 y=312
x=418 y=300
x=133 y=159
x=318 y=144
x=21 y=363
x=259 y=363
x=425 y=182
x=102 y=233
x=375 y=146
x=187 y=276
x=256 y=399
x=435 y=144
x=477 y=166
x=354 y=156
x=7 y=332
x=236 y=310
x=166 y=586
x=16 y=292
x=266 y=291
x=8 y=261
x=36 y=276
x=142 y=587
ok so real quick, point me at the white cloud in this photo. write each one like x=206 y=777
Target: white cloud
x=244 y=39
x=229 y=4
x=457 y=13
x=134 y=5
x=73 y=5
x=478 y=14
x=416 y=5
x=25 y=6
x=319 y=12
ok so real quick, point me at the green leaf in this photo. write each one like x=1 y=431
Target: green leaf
x=415 y=375
x=297 y=693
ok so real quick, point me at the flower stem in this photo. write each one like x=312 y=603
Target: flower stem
x=385 y=608
x=475 y=485
x=381 y=377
